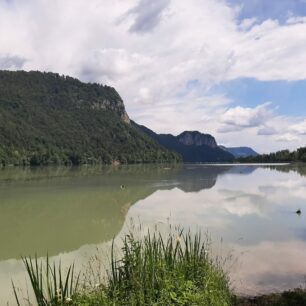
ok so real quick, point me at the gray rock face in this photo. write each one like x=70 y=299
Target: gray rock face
x=195 y=138
x=125 y=117
x=115 y=106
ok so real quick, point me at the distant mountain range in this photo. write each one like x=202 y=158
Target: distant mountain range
x=194 y=146
x=46 y=118
x=240 y=151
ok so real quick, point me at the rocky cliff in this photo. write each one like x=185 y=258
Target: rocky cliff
x=196 y=138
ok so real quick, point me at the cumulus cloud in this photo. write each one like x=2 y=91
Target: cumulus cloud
x=286 y=137
x=299 y=128
x=267 y=51
x=110 y=64
x=181 y=41
x=237 y=118
x=260 y=123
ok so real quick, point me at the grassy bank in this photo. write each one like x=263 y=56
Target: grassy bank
x=176 y=270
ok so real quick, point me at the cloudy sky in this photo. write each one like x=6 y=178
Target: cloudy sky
x=233 y=68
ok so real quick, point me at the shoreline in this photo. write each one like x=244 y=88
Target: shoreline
x=294 y=297
x=149 y=163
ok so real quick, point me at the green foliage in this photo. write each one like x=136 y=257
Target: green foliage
x=283 y=156
x=172 y=271
x=48 y=119
x=50 y=285
x=154 y=271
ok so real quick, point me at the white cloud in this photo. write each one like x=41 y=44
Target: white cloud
x=299 y=128
x=267 y=130
x=261 y=126
x=286 y=137
x=296 y=19
x=270 y=51
x=243 y=117
x=246 y=24
x=151 y=51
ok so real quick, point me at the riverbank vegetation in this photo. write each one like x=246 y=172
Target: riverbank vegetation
x=176 y=270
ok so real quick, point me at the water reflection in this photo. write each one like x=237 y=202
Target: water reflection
x=71 y=212
x=55 y=210
x=255 y=216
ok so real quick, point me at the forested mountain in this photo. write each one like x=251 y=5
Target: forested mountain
x=298 y=155
x=193 y=146
x=46 y=118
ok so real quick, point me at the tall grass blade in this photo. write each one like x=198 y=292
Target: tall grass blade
x=15 y=294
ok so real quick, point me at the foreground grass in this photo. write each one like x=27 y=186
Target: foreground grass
x=176 y=270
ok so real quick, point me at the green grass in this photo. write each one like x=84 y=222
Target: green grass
x=176 y=270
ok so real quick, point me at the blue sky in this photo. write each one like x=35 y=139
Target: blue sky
x=231 y=68
x=270 y=9
x=288 y=96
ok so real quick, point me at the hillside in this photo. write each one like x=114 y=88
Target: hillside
x=46 y=119
x=193 y=146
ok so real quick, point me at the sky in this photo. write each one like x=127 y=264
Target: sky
x=233 y=68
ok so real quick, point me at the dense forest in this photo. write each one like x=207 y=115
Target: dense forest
x=48 y=119
x=298 y=155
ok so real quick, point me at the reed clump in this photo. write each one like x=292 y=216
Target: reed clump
x=176 y=270
x=51 y=285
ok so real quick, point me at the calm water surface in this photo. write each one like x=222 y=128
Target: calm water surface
x=73 y=214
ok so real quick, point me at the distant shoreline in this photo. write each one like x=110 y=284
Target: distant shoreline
x=144 y=164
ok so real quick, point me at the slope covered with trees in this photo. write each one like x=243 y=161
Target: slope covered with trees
x=47 y=119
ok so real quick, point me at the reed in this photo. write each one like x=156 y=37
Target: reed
x=51 y=285
x=175 y=270
x=165 y=271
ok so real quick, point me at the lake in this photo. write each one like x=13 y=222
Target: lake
x=74 y=213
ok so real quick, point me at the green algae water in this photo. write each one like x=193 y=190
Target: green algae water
x=72 y=213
